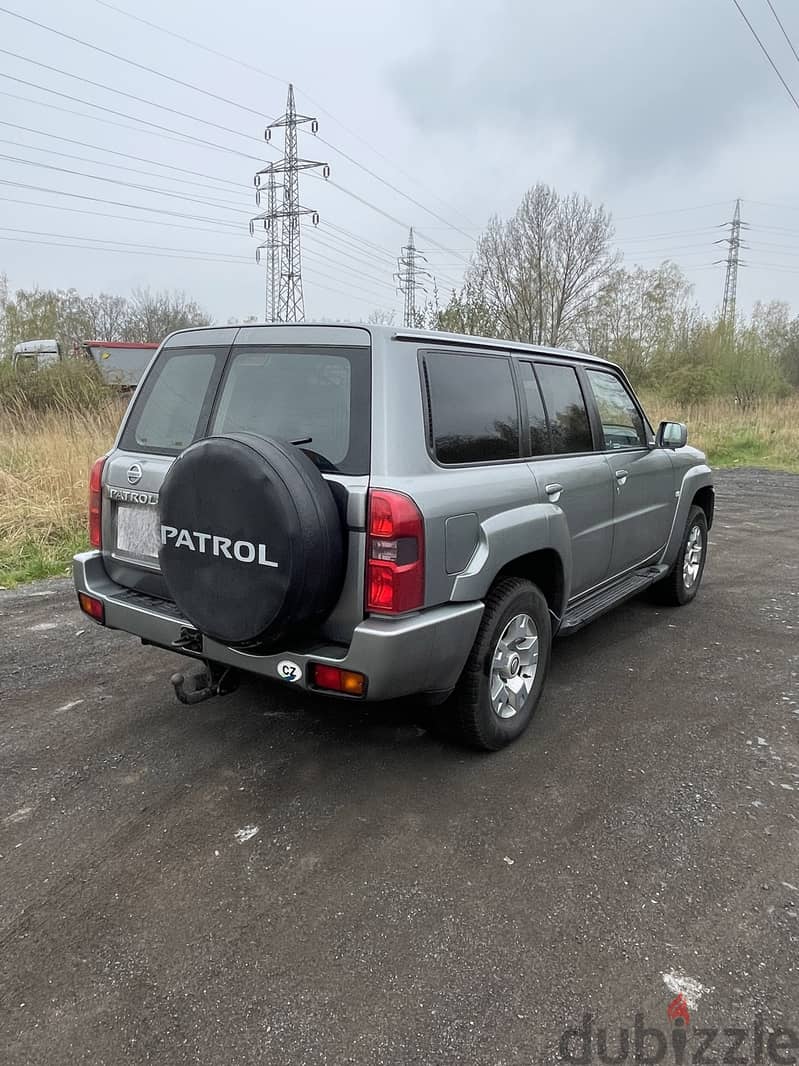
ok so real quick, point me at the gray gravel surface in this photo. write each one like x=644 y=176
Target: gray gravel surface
x=272 y=878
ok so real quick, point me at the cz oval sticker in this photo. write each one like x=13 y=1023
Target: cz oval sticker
x=288 y=671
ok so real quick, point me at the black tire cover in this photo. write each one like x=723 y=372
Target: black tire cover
x=252 y=540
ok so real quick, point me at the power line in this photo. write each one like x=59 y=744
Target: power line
x=784 y=31
x=121 y=92
x=106 y=163
x=766 y=53
x=272 y=77
x=187 y=137
x=130 y=62
x=188 y=85
x=113 y=151
x=230 y=260
x=127 y=184
x=672 y=211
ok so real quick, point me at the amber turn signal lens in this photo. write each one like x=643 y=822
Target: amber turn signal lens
x=94 y=608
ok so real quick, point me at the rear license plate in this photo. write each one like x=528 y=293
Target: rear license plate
x=138 y=530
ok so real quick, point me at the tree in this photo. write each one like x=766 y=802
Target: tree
x=30 y=315
x=152 y=315
x=541 y=270
x=468 y=311
x=381 y=317
x=107 y=316
x=638 y=316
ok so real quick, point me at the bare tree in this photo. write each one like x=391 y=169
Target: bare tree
x=152 y=315
x=381 y=316
x=541 y=270
x=108 y=316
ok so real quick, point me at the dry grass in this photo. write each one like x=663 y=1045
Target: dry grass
x=45 y=460
x=766 y=434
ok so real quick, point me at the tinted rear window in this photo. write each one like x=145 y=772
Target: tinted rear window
x=568 y=417
x=473 y=410
x=317 y=397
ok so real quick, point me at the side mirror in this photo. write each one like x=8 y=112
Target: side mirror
x=671 y=435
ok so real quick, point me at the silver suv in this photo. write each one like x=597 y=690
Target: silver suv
x=372 y=513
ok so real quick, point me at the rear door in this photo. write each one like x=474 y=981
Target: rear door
x=306 y=385
x=642 y=475
x=571 y=474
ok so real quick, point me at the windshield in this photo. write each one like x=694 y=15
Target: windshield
x=317 y=398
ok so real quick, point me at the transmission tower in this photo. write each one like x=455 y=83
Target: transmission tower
x=734 y=245
x=410 y=278
x=290 y=306
x=272 y=247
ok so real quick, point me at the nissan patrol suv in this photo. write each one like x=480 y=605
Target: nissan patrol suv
x=371 y=512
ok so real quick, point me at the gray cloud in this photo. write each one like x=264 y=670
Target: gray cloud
x=640 y=85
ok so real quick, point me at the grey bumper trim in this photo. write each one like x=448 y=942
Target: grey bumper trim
x=424 y=652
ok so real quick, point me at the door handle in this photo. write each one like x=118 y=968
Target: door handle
x=621 y=476
x=553 y=491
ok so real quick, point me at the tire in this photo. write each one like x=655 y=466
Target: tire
x=469 y=715
x=675 y=589
x=252 y=539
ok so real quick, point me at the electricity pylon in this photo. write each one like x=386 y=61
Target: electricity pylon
x=290 y=303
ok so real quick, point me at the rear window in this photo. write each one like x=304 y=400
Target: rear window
x=473 y=410
x=568 y=416
x=319 y=398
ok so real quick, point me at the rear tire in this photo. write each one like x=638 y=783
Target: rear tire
x=681 y=584
x=500 y=686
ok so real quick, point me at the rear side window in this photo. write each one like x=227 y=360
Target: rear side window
x=318 y=398
x=568 y=417
x=473 y=411
x=536 y=415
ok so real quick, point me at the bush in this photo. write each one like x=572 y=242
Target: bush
x=690 y=384
x=71 y=387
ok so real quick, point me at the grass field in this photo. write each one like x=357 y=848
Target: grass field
x=765 y=435
x=45 y=458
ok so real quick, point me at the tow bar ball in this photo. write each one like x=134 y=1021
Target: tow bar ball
x=204 y=683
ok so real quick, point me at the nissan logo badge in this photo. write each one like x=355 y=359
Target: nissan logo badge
x=134 y=474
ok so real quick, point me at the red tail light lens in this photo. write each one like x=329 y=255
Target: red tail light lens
x=395 y=559
x=96 y=504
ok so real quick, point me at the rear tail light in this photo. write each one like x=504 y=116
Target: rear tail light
x=395 y=553
x=94 y=608
x=96 y=504
x=334 y=679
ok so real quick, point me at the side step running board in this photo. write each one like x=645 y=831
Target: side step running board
x=587 y=610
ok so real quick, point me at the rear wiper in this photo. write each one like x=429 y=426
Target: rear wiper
x=302 y=440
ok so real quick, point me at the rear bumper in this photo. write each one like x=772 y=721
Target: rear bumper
x=424 y=652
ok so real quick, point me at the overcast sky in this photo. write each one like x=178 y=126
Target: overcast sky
x=664 y=112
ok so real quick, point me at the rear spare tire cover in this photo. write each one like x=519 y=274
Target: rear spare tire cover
x=251 y=538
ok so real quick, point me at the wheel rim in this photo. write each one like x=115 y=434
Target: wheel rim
x=514 y=666
x=692 y=560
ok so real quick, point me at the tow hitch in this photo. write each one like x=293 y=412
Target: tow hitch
x=204 y=683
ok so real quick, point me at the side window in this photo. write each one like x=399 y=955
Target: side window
x=568 y=417
x=473 y=411
x=622 y=424
x=536 y=415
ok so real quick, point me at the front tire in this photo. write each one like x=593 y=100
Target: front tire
x=682 y=582
x=504 y=675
